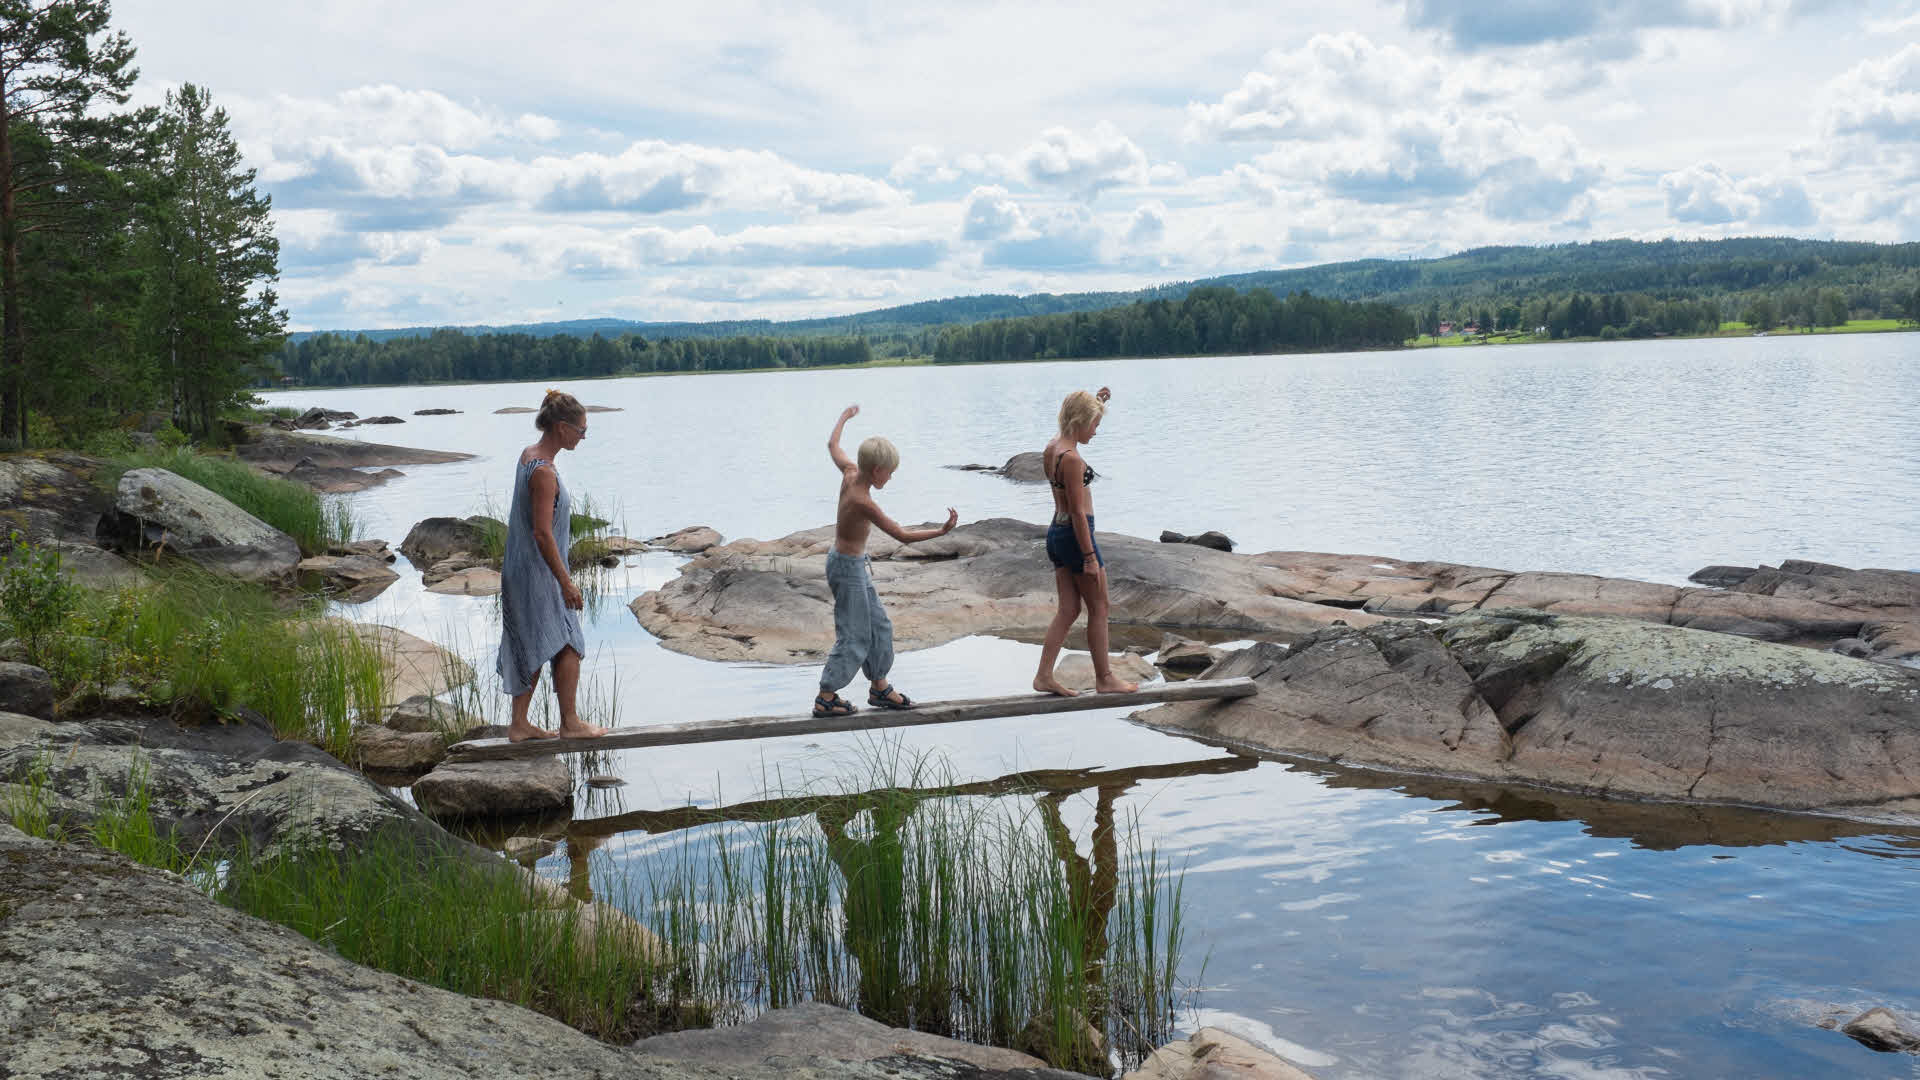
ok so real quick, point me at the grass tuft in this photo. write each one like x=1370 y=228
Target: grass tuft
x=314 y=522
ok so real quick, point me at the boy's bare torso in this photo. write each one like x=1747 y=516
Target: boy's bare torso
x=853 y=521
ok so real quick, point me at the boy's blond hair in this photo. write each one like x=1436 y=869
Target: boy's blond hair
x=1079 y=411
x=877 y=453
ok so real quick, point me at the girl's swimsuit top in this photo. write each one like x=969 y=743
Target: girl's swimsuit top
x=1086 y=478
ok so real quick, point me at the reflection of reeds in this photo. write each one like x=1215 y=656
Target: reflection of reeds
x=971 y=917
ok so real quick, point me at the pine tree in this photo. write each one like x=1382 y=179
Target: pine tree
x=58 y=64
x=212 y=312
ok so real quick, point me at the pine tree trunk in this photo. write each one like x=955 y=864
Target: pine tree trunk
x=13 y=342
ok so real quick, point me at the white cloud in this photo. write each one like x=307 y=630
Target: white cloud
x=1148 y=225
x=576 y=251
x=1706 y=194
x=1876 y=99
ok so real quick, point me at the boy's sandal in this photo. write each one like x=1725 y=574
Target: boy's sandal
x=832 y=705
x=890 y=698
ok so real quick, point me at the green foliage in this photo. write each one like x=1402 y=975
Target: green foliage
x=35 y=599
x=29 y=800
x=294 y=509
x=1205 y=321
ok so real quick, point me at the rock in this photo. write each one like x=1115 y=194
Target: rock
x=528 y=849
x=1721 y=576
x=383 y=420
x=688 y=541
x=603 y=408
x=596 y=922
x=1608 y=706
x=605 y=780
x=439 y=538
x=1075 y=670
x=318 y=417
x=149 y=976
x=412 y=665
x=1896 y=642
x=495 y=788
x=625 y=545
x=423 y=713
x=53 y=497
x=182 y=518
x=449 y=566
x=352 y=578
x=813 y=1035
x=768 y=600
x=1186 y=656
x=436 y=412
x=335 y=480
x=26 y=690
x=377 y=747
x=1027 y=467
x=1882 y=1030
x=1213 y=1054
x=1853 y=647
x=512 y=409
x=280 y=451
x=93 y=567
x=472 y=581
x=372 y=549
x=1215 y=540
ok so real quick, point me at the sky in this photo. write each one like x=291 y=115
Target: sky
x=488 y=163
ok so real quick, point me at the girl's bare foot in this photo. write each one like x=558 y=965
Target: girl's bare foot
x=1047 y=684
x=575 y=729
x=1113 y=684
x=523 y=732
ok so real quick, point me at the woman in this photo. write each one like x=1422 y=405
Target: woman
x=539 y=602
x=1079 y=571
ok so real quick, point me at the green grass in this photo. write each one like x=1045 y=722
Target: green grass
x=206 y=647
x=294 y=509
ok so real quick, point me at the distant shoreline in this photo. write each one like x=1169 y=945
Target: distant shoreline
x=1449 y=342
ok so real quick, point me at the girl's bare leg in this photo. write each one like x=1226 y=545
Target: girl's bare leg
x=566 y=681
x=1093 y=591
x=1063 y=617
x=520 y=730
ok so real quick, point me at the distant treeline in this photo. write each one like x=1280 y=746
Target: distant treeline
x=454 y=356
x=1209 y=320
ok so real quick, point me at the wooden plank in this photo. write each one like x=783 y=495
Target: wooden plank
x=932 y=712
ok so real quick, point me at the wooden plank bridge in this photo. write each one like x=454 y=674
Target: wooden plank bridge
x=932 y=712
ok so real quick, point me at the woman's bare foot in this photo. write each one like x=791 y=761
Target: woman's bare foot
x=575 y=729
x=1047 y=684
x=523 y=732
x=1113 y=684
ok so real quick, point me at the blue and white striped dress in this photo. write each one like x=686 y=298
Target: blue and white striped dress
x=535 y=621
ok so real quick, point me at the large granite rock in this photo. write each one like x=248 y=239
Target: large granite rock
x=26 y=690
x=411 y=665
x=378 y=747
x=1886 y=601
x=53 y=497
x=180 y=517
x=1609 y=706
x=437 y=539
x=768 y=600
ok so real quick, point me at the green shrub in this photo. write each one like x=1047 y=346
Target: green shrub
x=35 y=599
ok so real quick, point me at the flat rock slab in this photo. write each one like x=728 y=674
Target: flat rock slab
x=334 y=480
x=471 y=581
x=1608 y=706
x=1213 y=1054
x=354 y=579
x=768 y=600
x=280 y=451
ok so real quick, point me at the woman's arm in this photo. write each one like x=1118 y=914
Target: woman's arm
x=1072 y=469
x=543 y=489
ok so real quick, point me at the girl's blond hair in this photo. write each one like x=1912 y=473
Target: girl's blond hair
x=559 y=405
x=877 y=453
x=1079 y=411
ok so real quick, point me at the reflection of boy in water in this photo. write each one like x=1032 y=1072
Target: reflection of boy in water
x=874 y=872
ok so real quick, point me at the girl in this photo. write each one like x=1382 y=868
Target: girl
x=1079 y=571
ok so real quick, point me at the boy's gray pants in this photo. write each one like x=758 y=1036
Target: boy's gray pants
x=862 y=633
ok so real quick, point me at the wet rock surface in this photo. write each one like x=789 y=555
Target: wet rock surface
x=1603 y=705
x=179 y=517
x=768 y=600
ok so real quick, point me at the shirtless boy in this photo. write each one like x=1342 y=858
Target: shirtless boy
x=862 y=634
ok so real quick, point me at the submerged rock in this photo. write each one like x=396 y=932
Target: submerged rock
x=1881 y=1029
x=1609 y=706
x=1075 y=671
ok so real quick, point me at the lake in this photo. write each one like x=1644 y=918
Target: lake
x=1364 y=925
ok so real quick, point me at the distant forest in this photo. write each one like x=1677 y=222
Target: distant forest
x=1606 y=289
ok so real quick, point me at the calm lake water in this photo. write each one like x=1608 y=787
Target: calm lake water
x=1364 y=925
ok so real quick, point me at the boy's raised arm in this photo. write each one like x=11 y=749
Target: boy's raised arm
x=907 y=536
x=840 y=459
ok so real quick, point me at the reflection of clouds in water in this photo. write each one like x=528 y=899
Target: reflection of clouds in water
x=1466 y=1043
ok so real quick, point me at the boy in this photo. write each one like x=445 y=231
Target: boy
x=862 y=634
